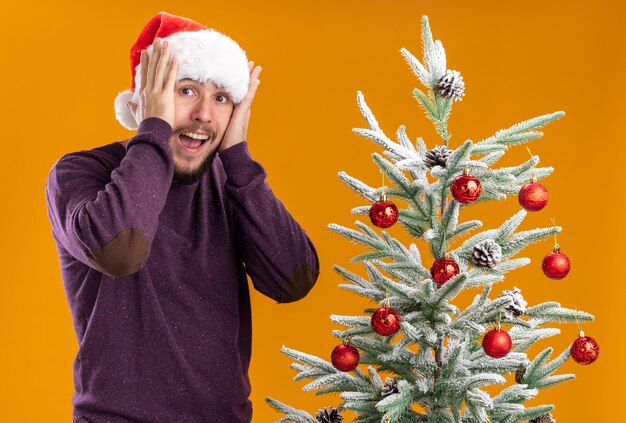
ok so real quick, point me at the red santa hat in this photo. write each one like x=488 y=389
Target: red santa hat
x=203 y=55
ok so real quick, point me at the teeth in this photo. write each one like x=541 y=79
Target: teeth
x=196 y=136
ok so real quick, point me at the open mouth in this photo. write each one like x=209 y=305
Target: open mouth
x=192 y=141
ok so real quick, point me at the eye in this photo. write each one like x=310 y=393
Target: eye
x=221 y=98
x=186 y=91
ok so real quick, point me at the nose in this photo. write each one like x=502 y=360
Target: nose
x=203 y=110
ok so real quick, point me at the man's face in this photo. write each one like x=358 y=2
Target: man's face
x=202 y=114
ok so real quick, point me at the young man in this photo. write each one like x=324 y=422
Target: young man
x=156 y=234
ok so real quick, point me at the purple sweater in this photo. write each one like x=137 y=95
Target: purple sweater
x=155 y=277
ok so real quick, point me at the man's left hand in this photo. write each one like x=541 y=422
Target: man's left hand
x=237 y=130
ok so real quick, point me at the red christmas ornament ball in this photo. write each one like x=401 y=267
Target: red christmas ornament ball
x=585 y=349
x=556 y=265
x=443 y=269
x=466 y=188
x=497 y=343
x=533 y=196
x=345 y=357
x=386 y=321
x=383 y=213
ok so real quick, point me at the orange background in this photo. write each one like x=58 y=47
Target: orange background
x=62 y=66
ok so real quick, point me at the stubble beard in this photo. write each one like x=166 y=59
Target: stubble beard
x=186 y=177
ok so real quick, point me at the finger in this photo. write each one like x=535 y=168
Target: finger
x=254 y=84
x=153 y=61
x=255 y=73
x=170 y=81
x=159 y=75
x=144 y=69
x=244 y=106
x=250 y=66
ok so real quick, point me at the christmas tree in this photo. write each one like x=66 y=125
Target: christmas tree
x=438 y=359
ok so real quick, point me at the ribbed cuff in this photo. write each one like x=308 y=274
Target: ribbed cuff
x=239 y=166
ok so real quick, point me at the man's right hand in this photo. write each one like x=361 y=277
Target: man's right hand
x=156 y=95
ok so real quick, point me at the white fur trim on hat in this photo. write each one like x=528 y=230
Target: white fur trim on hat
x=122 y=112
x=204 y=55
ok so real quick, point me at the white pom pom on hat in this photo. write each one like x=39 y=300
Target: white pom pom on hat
x=203 y=55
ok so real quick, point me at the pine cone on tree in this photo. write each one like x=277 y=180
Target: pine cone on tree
x=519 y=375
x=330 y=415
x=518 y=306
x=544 y=418
x=451 y=85
x=438 y=156
x=487 y=254
x=390 y=387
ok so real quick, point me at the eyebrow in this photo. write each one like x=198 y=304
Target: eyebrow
x=220 y=89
